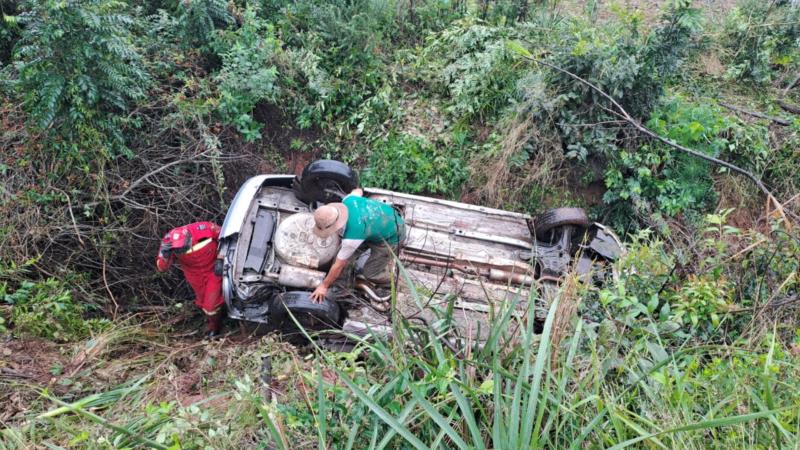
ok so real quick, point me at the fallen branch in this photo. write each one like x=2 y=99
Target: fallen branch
x=791 y=85
x=777 y=120
x=788 y=107
x=620 y=111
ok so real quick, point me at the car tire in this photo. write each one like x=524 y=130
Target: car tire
x=559 y=217
x=325 y=181
x=311 y=315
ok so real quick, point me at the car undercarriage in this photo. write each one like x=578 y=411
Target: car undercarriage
x=466 y=259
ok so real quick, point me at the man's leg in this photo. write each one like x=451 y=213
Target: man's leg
x=213 y=305
x=379 y=266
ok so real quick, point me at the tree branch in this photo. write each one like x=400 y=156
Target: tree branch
x=777 y=120
x=788 y=107
x=647 y=132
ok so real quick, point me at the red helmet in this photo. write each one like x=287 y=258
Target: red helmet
x=178 y=240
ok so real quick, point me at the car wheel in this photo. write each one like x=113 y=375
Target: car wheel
x=311 y=315
x=325 y=181
x=548 y=221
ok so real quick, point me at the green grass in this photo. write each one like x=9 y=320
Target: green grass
x=417 y=392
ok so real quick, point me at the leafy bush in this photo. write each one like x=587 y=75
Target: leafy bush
x=659 y=179
x=198 y=20
x=645 y=271
x=334 y=56
x=9 y=31
x=700 y=302
x=615 y=58
x=248 y=73
x=76 y=69
x=690 y=293
x=412 y=164
x=469 y=63
x=759 y=35
x=48 y=310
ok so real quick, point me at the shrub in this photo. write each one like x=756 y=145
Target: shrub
x=48 y=310
x=248 y=73
x=615 y=58
x=9 y=31
x=412 y=164
x=700 y=302
x=469 y=63
x=758 y=35
x=198 y=20
x=76 y=69
x=659 y=179
x=335 y=58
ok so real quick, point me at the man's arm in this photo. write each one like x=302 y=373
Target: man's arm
x=165 y=257
x=346 y=252
x=336 y=270
x=163 y=263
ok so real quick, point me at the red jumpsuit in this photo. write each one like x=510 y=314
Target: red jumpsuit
x=197 y=264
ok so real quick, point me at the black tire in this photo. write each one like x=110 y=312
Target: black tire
x=559 y=217
x=312 y=316
x=325 y=181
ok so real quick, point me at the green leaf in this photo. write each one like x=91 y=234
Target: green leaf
x=516 y=47
x=652 y=304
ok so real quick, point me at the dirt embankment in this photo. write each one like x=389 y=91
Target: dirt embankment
x=179 y=365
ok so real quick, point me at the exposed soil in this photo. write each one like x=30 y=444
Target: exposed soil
x=30 y=360
x=295 y=146
x=187 y=369
x=26 y=362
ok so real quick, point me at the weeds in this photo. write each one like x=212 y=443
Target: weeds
x=47 y=309
x=613 y=381
x=411 y=164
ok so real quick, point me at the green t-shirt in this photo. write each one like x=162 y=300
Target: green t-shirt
x=372 y=221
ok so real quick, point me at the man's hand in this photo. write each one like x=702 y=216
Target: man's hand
x=165 y=249
x=322 y=290
x=319 y=293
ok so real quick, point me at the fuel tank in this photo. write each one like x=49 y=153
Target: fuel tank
x=297 y=245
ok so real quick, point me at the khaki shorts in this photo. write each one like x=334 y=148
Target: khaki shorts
x=380 y=265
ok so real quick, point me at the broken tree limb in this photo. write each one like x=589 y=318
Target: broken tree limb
x=620 y=111
x=791 y=85
x=777 y=120
x=788 y=107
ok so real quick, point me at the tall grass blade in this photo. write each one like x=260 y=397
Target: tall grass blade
x=469 y=417
x=439 y=419
x=380 y=412
x=275 y=430
x=105 y=423
x=542 y=357
x=704 y=425
x=406 y=411
x=322 y=400
x=498 y=435
x=565 y=373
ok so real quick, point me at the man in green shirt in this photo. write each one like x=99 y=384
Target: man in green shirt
x=359 y=220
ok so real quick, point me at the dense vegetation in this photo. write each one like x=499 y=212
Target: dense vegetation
x=121 y=119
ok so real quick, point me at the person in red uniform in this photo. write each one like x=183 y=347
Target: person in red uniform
x=194 y=247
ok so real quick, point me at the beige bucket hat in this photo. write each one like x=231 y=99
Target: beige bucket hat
x=329 y=219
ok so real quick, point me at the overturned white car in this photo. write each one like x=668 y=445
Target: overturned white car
x=464 y=258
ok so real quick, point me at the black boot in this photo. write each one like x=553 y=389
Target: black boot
x=214 y=325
